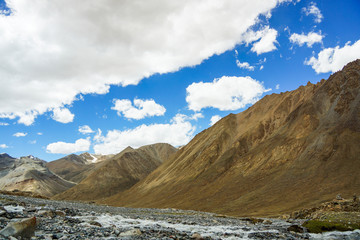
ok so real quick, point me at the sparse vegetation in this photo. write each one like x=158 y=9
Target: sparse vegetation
x=316 y=226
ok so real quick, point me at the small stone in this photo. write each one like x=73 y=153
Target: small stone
x=338 y=197
x=196 y=236
x=46 y=213
x=267 y=221
x=60 y=213
x=24 y=228
x=133 y=232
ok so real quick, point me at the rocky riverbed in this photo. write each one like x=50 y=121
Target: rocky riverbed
x=73 y=220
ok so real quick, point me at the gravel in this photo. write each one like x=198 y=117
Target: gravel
x=75 y=220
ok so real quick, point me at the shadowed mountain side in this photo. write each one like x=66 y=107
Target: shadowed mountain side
x=29 y=174
x=120 y=172
x=288 y=151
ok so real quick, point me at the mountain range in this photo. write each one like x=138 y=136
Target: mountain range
x=288 y=151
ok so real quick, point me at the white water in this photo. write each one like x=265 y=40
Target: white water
x=219 y=231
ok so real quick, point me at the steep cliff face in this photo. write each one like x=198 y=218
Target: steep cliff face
x=119 y=173
x=287 y=151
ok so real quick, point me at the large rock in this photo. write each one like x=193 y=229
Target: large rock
x=24 y=228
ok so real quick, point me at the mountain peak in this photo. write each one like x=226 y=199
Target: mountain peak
x=5 y=155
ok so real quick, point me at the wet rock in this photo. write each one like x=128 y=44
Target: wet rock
x=94 y=223
x=295 y=228
x=24 y=228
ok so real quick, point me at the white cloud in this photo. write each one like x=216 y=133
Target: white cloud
x=50 y=55
x=196 y=116
x=80 y=145
x=264 y=39
x=85 y=129
x=334 y=59
x=214 y=119
x=277 y=86
x=4 y=146
x=32 y=142
x=225 y=93
x=19 y=134
x=178 y=132
x=261 y=67
x=62 y=115
x=309 y=39
x=140 y=109
x=4 y=124
x=312 y=9
x=39 y=133
x=244 y=65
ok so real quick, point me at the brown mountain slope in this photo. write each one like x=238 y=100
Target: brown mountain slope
x=120 y=172
x=74 y=167
x=29 y=174
x=288 y=151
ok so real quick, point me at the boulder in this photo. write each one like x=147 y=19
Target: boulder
x=24 y=228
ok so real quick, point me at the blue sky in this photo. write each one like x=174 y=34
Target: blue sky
x=104 y=76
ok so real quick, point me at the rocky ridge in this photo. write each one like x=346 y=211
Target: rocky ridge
x=30 y=174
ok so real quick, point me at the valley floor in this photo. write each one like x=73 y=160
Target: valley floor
x=73 y=220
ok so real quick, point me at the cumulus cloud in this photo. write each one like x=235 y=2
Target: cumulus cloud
x=266 y=43
x=85 y=129
x=51 y=55
x=214 y=119
x=178 y=132
x=309 y=39
x=334 y=59
x=19 y=134
x=265 y=39
x=4 y=146
x=140 y=109
x=245 y=65
x=62 y=115
x=80 y=145
x=225 y=93
x=312 y=9
x=196 y=116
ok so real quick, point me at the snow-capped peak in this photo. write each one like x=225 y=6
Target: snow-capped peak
x=94 y=160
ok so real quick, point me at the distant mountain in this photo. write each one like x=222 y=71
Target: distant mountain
x=76 y=167
x=288 y=151
x=29 y=174
x=119 y=172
